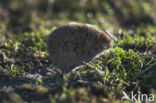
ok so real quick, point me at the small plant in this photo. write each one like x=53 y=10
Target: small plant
x=12 y=46
x=15 y=70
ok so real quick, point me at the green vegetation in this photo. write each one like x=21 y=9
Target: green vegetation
x=26 y=74
x=12 y=71
x=141 y=39
x=117 y=68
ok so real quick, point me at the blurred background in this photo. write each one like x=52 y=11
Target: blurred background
x=17 y=16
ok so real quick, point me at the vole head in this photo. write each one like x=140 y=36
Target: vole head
x=107 y=41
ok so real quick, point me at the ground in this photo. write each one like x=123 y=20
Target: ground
x=27 y=75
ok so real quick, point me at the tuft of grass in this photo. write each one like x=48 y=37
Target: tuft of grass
x=141 y=39
x=36 y=41
x=124 y=64
x=13 y=70
x=120 y=64
x=12 y=46
x=118 y=68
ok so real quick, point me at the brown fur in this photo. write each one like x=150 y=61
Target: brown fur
x=73 y=43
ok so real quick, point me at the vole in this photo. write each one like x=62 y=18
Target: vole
x=71 y=44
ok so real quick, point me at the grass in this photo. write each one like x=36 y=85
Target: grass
x=141 y=39
x=118 y=66
x=12 y=71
